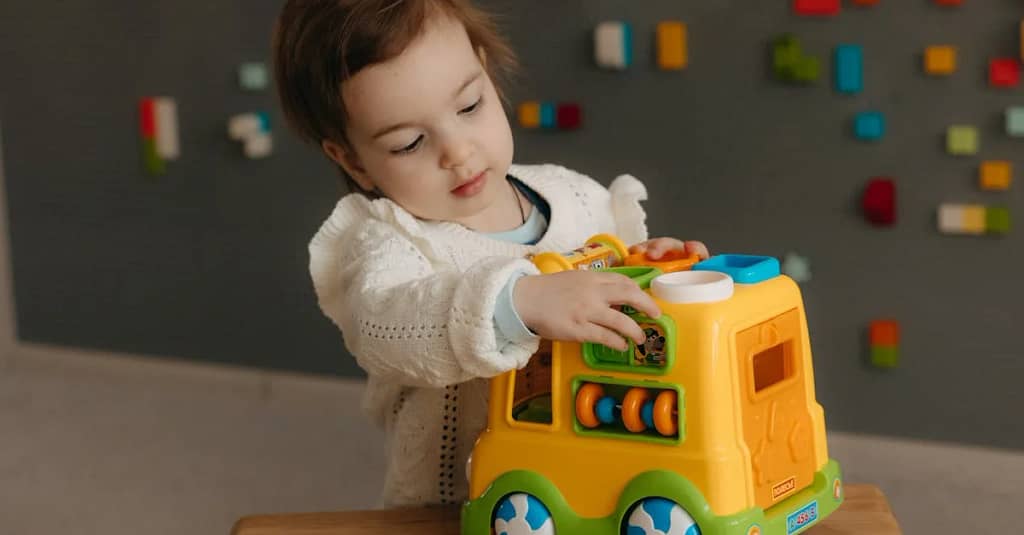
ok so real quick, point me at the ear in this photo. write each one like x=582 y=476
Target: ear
x=349 y=161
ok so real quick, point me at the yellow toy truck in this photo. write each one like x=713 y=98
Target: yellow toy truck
x=710 y=427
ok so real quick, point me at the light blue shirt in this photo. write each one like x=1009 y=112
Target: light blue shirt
x=508 y=324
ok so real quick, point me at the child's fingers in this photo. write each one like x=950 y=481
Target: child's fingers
x=623 y=291
x=602 y=335
x=619 y=323
x=697 y=247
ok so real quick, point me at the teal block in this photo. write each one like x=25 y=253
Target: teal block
x=869 y=125
x=547 y=115
x=849 y=69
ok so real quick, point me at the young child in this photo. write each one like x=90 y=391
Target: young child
x=423 y=265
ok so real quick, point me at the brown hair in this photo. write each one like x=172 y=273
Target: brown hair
x=319 y=44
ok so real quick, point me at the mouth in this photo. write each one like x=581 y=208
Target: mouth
x=472 y=186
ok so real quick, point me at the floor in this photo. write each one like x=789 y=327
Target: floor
x=112 y=445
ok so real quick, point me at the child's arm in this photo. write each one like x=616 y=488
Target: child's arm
x=409 y=323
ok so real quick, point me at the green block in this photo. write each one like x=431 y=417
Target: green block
x=253 y=76
x=1015 y=121
x=153 y=162
x=786 y=54
x=885 y=356
x=807 y=70
x=962 y=140
x=997 y=220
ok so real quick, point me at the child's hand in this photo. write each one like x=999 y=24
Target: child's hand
x=657 y=248
x=577 y=306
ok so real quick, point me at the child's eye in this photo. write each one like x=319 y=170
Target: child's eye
x=470 y=109
x=409 y=148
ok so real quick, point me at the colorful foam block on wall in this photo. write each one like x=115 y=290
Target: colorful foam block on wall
x=948 y=2
x=869 y=125
x=962 y=140
x=547 y=115
x=885 y=356
x=613 y=45
x=1015 y=121
x=158 y=123
x=995 y=175
x=884 y=332
x=816 y=7
x=849 y=69
x=252 y=76
x=997 y=220
x=879 y=201
x=672 y=46
x=796 y=267
x=529 y=114
x=253 y=130
x=1004 y=72
x=940 y=60
x=569 y=116
x=789 y=63
x=962 y=219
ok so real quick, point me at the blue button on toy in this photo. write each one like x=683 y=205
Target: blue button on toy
x=743 y=268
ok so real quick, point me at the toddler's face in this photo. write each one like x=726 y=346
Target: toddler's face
x=428 y=130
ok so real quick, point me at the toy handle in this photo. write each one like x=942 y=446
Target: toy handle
x=673 y=260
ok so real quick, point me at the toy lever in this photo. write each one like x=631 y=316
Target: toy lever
x=673 y=260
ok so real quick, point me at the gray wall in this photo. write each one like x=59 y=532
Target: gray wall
x=209 y=261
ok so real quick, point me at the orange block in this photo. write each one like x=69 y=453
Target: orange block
x=995 y=175
x=672 y=49
x=885 y=332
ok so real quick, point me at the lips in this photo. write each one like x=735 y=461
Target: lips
x=472 y=186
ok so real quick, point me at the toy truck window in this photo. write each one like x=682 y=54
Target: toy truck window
x=655 y=356
x=531 y=398
x=773 y=365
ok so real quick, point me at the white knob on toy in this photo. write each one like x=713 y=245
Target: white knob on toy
x=692 y=287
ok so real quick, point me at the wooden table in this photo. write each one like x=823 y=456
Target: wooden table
x=865 y=511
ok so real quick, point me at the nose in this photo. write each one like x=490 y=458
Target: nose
x=456 y=152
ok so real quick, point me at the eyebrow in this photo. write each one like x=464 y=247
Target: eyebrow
x=462 y=87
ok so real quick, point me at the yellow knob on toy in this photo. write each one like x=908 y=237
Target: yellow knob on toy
x=601 y=251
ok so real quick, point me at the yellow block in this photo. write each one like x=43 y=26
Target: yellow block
x=973 y=219
x=529 y=114
x=940 y=60
x=995 y=175
x=672 y=49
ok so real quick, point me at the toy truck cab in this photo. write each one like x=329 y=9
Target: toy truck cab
x=711 y=426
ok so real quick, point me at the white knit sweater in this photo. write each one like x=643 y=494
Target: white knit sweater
x=415 y=299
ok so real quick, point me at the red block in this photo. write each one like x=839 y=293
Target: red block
x=1004 y=72
x=948 y=2
x=879 y=201
x=569 y=116
x=884 y=332
x=816 y=7
x=147 y=118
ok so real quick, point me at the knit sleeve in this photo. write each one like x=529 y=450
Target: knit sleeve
x=407 y=322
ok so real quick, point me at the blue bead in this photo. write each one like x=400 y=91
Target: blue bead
x=647 y=413
x=849 y=69
x=605 y=410
x=869 y=125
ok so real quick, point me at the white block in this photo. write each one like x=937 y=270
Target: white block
x=259 y=145
x=613 y=45
x=243 y=125
x=951 y=218
x=168 y=145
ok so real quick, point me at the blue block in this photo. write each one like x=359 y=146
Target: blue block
x=869 y=125
x=849 y=69
x=627 y=44
x=547 y=115
x=744 y=269
x=264 y=121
